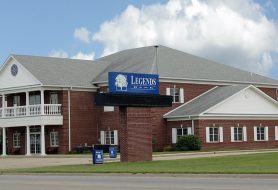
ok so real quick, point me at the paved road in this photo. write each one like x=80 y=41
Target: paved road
x=137 y=182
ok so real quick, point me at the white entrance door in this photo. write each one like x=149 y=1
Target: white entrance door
x=35 y=143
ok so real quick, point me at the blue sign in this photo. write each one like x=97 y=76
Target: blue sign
x=97 y=156
x=113 y=152
x=133 y=83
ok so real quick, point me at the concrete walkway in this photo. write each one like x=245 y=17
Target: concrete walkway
x=12 y=162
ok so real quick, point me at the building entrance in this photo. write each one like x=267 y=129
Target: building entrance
x=35 y=141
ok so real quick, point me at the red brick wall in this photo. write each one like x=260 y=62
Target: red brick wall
x=83 y=118
x=136 y=131
x=270 y=91
x=200 y=126
x=9 y=133
x=110 y=120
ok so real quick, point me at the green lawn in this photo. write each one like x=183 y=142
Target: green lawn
x=263 y=163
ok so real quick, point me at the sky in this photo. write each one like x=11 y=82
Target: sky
x=239 y=33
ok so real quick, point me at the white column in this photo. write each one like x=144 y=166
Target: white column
x=27 y=103
x=28 y=152
x=4 y=153
x=42 y=102
x=42 y=141
x=3 y=105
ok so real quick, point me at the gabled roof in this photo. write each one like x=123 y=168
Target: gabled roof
x=168 y=63
x=202 y=103
x=174 y=64
x=60 y=71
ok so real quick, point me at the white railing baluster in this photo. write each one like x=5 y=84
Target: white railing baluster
x=34 y=110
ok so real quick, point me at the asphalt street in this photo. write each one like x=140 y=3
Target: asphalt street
x=138 y=182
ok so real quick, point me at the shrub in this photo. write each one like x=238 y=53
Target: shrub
x=189 y=142
x=168 y=148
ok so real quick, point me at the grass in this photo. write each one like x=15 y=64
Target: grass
x=263 y=163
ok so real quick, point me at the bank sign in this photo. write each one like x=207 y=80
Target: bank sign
x=135 y=83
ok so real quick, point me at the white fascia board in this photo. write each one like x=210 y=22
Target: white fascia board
x=214 y=82
x=264 y=95
x=20 y=89
x=223 y=101
x=238 y=117
x=226 y=117
x=165 y=115
x=73 y=88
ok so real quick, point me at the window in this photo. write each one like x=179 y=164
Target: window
x=109 y=137
x=54 y=139
x=238 y=134
x=53 y=98
x=35 y=99
x=260 y=133
x=214 y=134
x=176 y=93
x=16 y=140
x=181 y=132
x=16 y=100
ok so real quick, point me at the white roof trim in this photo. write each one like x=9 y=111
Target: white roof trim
x=188 y=102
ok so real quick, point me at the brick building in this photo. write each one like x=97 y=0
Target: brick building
x=47 y=105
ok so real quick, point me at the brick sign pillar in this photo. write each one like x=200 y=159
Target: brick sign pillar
x=136 y=134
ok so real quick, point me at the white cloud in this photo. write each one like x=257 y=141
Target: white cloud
x=83 y=56
x=79 y=55
x=232 y=32
x=82 y=34
x=59 y=54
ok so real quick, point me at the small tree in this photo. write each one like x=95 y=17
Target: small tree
x=189 y=142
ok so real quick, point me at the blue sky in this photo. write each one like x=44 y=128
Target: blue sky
x=48 y=28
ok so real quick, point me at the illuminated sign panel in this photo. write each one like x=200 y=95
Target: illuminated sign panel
x=136 y=83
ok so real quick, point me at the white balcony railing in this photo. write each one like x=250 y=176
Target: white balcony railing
x=31 y=110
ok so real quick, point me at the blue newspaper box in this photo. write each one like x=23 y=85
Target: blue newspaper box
x=113 y=152
x=97 y=156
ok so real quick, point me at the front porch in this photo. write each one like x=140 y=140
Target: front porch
x=30 y=140
x=28 y=116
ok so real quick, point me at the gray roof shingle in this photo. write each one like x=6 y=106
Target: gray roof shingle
x=61 y=71
x=205 y=101
x=167 y=62
x=176 y=64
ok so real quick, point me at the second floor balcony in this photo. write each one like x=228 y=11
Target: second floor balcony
x=30 y=110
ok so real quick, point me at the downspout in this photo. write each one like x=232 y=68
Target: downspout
x=192 y=125
x=69 y=118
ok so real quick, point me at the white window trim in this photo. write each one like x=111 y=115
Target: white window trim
x=266 y=138
x=276 y=133
x=56 y=141
x=220 y=135
x=244 y=135
x=18 y=140
x=174 y=135
x=181 y=94
x=103 y=138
